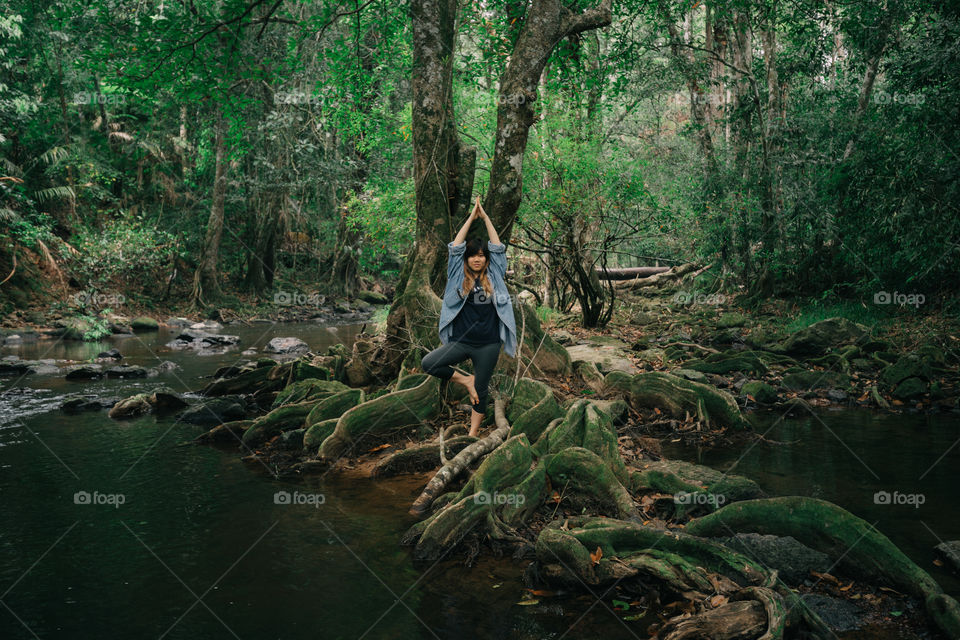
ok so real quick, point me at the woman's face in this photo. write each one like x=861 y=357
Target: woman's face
x=476 y=262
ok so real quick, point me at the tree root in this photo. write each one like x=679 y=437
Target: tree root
x=681 y=397
x=858 y=547
x=383 y=415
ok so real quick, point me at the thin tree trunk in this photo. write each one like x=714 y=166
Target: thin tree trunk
x=206 y=284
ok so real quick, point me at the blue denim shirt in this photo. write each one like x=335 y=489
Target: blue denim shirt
x=503 y=301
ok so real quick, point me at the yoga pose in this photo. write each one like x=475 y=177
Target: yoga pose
x=476 y=318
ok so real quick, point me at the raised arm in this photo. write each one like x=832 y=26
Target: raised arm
x=462 y=234
x=494 y=238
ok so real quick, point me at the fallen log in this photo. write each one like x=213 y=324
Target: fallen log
x=658 y=279
x=627 y=273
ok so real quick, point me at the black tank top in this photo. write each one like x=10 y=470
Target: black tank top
x=477 y=322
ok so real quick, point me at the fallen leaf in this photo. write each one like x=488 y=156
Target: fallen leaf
x=596 y=555
x=383 y=446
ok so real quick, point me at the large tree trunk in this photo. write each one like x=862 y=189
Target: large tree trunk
x=443 y=181
x=206 y=283
x=547 y=22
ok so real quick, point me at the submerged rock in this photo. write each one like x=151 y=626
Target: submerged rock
x=213 y=411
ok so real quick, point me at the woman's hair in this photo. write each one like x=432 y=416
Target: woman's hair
x=475 y=246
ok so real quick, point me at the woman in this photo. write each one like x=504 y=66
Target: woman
x=476 y=318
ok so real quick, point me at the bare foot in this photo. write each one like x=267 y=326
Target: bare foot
x=474 y=397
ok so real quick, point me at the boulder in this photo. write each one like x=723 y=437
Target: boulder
x=213 y=411
x=144 y=324
x=372 y=297
x=85 y=372
x=820 y=337
x=287 y=346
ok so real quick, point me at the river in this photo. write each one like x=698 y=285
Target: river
x=111 y=529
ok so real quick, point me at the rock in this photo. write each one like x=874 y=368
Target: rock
x=372 y=297
x=287 y=346
x=910 y=388
x=820 y=337
x=803 y=380
x=950 y=550
x=563 y=337
x=839 y=615
x=13 y=339
x=131 y=407
x=792 y=559
x=908 y=366
x=85 y=372
x=144 y=324
x=207 y=325
x=609 y=355
x=164 y=367
x=640 y=319
x=213 y=411
x=113 y=354
x=78 y=404
x=119 y=329
x=760 y=391
x=197 y=339
x=836 y=395
x=74 y=328
x=166 y=400
x=126 y=371
x=178 y=323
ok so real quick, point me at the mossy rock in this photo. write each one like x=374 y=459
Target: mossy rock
x=910 y=389
x=143 y=324
x=731 y=320
x=821 y=337
x=908 y=366
x=804 y=380
x=372 y=297
x=760 y=391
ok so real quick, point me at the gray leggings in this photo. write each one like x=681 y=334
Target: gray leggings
x=484 y=358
